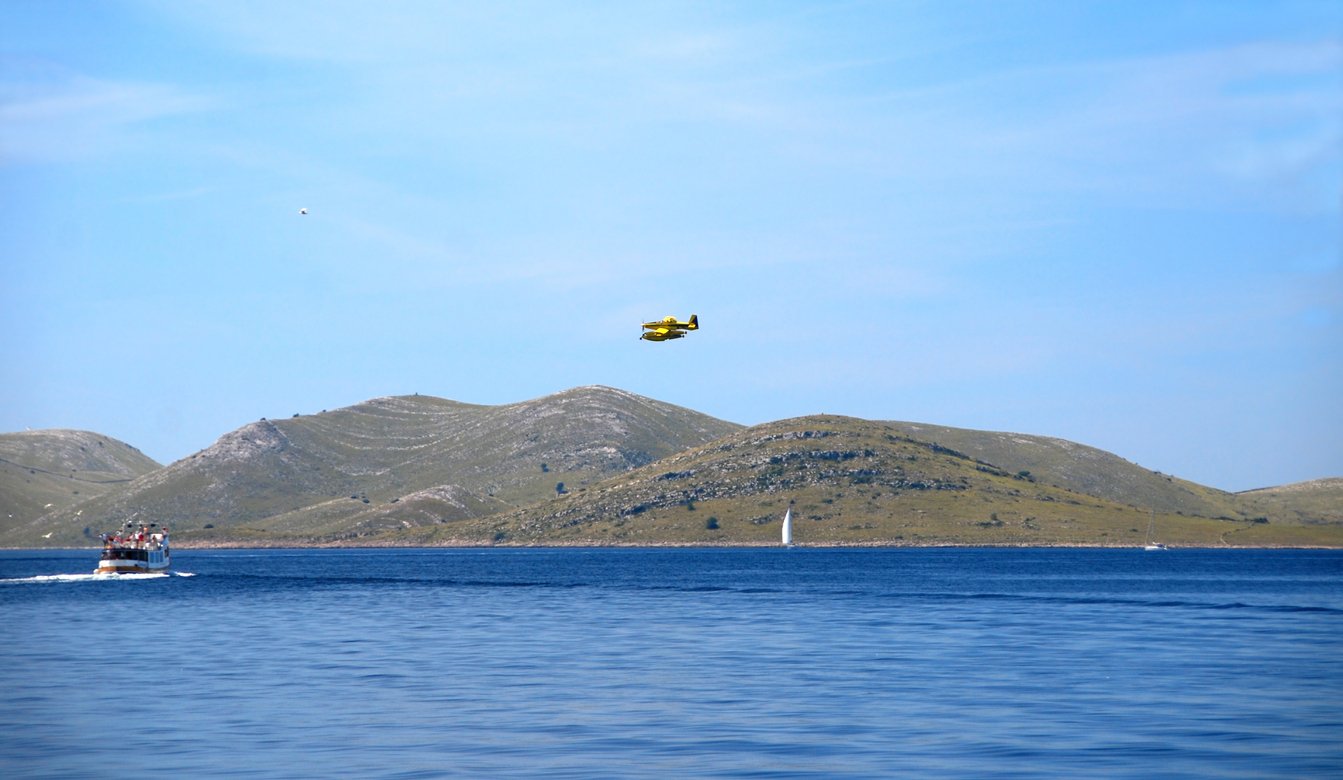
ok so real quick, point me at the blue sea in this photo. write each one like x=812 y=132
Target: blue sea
x=675 y=663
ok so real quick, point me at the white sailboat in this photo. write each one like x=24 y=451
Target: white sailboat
x=788 y=528
x=1151 y=545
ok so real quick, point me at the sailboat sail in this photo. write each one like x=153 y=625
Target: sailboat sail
x=788 y=527
x=1152 y=545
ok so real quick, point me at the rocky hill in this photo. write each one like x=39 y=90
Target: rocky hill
x=1084 y=469
x=1318 y=502
x=595 y=465
x=51 y=471
x=854 y=482
x=325 y=475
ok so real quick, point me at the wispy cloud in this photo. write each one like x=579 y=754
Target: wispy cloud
x=1217 y=123
x=52 y=114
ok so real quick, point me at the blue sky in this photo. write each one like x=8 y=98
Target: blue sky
x=1115 y=223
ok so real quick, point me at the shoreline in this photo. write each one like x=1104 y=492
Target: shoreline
x=190 y=546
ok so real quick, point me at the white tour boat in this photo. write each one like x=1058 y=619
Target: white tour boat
x=135 y=549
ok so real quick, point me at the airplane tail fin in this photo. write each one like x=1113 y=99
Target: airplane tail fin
x=694 y=322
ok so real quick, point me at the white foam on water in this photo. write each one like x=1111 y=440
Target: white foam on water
x=49 y=578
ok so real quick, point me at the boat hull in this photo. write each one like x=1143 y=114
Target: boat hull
x=133 y=562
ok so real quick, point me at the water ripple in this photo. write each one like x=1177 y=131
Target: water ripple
x=652 y=664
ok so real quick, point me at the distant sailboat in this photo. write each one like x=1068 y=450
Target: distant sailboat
x=1151 y=545
x=788 y=528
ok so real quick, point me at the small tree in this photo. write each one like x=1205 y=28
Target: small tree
x=559 y=488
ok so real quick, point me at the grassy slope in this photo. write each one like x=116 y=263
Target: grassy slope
x=1312 y=503
x=422 y=470
x=53 y=470
x=1083 y=469
x=340 y=473
x=853 y=482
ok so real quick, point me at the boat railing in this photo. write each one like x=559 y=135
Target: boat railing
x=153 y=543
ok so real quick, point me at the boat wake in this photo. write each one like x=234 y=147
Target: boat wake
x=128 y=577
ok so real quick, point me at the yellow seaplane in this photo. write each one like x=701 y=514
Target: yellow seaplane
x=668 y=328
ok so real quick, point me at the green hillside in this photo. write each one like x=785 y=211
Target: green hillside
x=328 y=474
x=852 y=482
x=595 y=465
x=1318 y=502
x=51 y=471
x=1084 y=469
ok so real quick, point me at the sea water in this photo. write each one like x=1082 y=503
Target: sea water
x=675 y=663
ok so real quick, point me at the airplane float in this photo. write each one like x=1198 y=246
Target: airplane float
x=668 y=328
